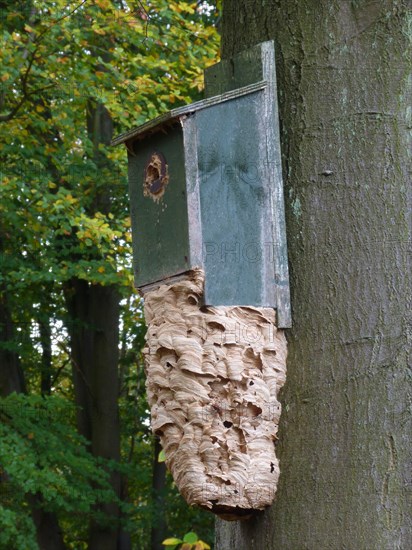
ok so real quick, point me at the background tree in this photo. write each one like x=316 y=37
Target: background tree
x=70 y=322
x=344 y=80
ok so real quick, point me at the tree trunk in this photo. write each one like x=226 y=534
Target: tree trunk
x=105 y=390
x=81 y=343
x=159 y=528
x=46 y=356
x=49 y=534
x=344 y=80
x=94 y=311
x=11 y=375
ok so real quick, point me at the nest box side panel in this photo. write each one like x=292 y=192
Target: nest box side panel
x=235 y=199
x=245 y=68
x=158 y=203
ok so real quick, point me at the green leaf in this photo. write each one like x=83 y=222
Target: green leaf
x=64 y=219
x=190 y=537
x=162 y=456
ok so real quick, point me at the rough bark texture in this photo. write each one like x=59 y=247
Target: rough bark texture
x=213 y=375
x=344 y=79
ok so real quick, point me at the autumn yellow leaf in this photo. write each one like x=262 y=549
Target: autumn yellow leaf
x=103 y=4
x=171 y=541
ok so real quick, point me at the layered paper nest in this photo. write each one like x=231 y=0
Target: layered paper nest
x=213 y=376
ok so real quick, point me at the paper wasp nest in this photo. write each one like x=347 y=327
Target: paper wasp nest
x=213 y=376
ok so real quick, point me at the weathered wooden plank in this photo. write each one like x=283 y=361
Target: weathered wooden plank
x=258 y=63
x=164 y=120
x=206 y=189
x=235 y=204
x=159 y=227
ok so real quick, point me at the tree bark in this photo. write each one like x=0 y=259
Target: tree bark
x=158 y=533
x=81 y=343
x=49 y=534
x=94 y=311
x=46 y=356
x=344 y=80
x=11 y=374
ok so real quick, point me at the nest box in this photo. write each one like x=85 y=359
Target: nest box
x=206 y=189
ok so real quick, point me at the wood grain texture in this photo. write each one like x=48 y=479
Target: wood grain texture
x=208 y=191
x=248 y=160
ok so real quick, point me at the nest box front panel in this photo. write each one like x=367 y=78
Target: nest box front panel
x=157 y=186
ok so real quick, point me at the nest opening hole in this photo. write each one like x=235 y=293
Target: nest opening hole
x=152 y=174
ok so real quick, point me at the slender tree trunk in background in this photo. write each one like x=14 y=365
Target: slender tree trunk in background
x=344 y=80
x=94 y=311
x=104 y=381
x=159 y=528
x=81 y=342
x=46 y=356
x=11 y=375
x=49 y=535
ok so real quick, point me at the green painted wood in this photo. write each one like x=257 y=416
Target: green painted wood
x=258 y=63
x=235 y=204
x=159 y=229
x=223 y=207
x=242 y=70
x=175 y=114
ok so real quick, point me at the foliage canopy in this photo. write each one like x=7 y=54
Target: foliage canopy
x=64 y=217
